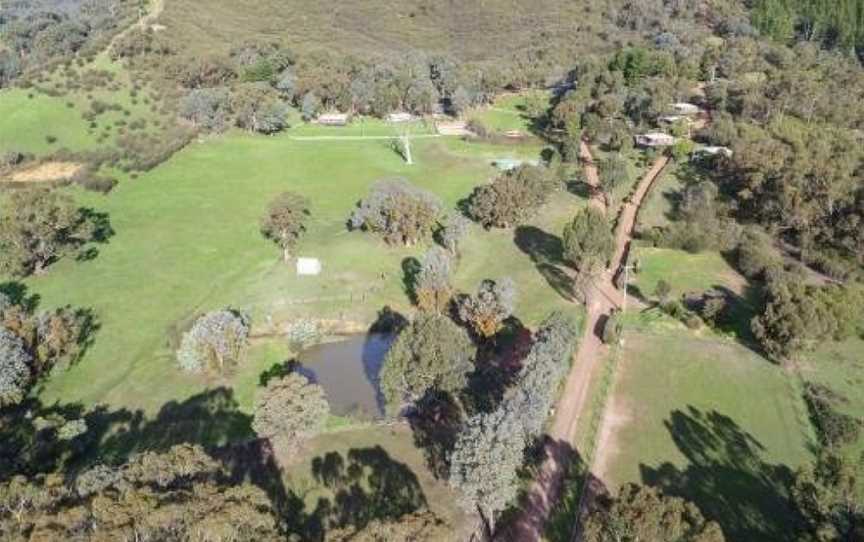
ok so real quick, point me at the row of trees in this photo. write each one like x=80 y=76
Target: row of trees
x=490 y=448
x=797 y=316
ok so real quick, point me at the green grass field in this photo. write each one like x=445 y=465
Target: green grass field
x=711 y=421
x=700 y=414
x=394 y=470
x=684 y=272
x=508 y=112
x=187 y=241
x=30 y=116
x=658 y=207
x=840 y=366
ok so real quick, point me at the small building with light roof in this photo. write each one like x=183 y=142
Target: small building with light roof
x=684 y=108
x=654 y=140
x=400 y=117
x=333 y=119
x=714 y=151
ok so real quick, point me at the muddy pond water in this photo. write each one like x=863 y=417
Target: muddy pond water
x=347 y=368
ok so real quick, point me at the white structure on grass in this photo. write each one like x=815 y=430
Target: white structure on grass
x=333 y=119
x=400 y=117
x=308 y=266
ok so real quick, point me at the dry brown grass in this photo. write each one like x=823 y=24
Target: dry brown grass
x=45 y=172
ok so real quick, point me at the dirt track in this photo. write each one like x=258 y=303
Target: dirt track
x=600 y=301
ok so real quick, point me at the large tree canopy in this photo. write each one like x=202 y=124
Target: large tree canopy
x=290 y=410
x=285 y=221
x=588 y=241
x=640 y=513
x=398 y=211
x=181 y=494
x=431 y=353
x=38 y=227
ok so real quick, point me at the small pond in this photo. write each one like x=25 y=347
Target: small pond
x=347 y=369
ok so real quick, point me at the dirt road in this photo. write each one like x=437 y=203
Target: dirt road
x=600 y=301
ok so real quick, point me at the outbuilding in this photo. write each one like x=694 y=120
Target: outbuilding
x=654 y=139
x=333 y=119
x=684 y=108
x=308 y=266
x=400 y=117
x=674 y=119
x=506 y=164
x=714 y=151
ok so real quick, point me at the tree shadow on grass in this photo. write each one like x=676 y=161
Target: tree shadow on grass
x=18 y=294
x=726 y=477
x=100 y=230
x=547 y=253
x=366 y=485
x=33 y=441
x=211 y=419
x=435 y=424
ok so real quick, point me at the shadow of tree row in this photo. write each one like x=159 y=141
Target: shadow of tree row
x=726 y=477
x=366 y=485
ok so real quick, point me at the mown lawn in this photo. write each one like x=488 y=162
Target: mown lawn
x=711 y=421
x=698 y=412
x=187 y=241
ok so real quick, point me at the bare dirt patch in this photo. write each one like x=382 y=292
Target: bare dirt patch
x=616 y=417
x=46 y=172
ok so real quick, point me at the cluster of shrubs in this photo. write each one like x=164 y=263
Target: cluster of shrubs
x=42 y=33
x=31 y=344
x=399 y=212
x=702 y=223
x=216 y=343
x=512 y=197
x=834 y=428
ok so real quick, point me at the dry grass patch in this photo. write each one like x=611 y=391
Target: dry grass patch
x=46 y=172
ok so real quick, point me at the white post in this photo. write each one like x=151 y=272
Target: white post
x=406 y=143
x=627 y=269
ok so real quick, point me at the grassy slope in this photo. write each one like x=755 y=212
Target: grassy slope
x=187 y=241
x=507 y=113
x=840 y=366
x=702 y=415
x=29 y=116
x=392 y=445
x=711 y=421
x=468 y=30
x=684 y=272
